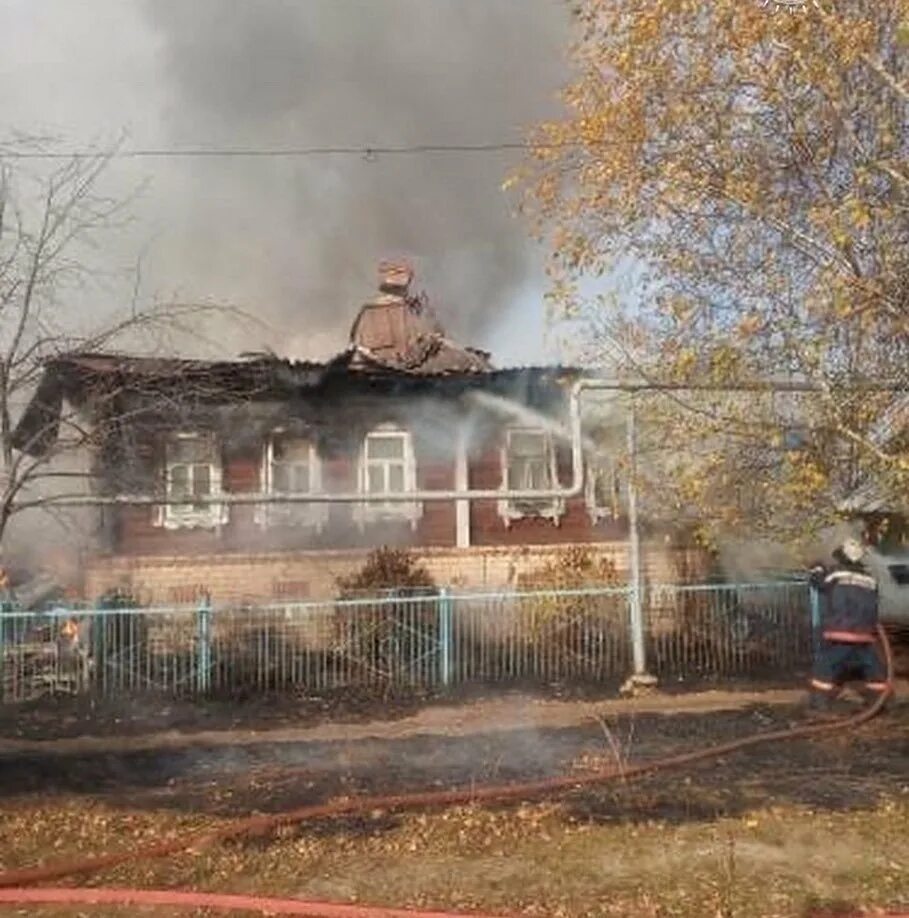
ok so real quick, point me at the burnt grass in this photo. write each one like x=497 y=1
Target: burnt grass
x=845 y=771
x=56 y=717
x=68 y=717
x=811 y=827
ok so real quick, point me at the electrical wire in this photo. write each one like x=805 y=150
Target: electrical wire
x=367 y=152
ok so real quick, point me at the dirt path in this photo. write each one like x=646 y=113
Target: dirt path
x=506 y=739
x=509 y=712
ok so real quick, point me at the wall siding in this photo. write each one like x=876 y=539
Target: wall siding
x=137 y=535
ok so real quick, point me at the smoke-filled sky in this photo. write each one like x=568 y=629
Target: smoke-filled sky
x=297 y=240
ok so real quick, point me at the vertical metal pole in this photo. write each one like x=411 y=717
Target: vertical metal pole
x=203 y=646
x=444 y=637
x=815 y=603
x=462 y=483
x=634 y=545
x=4 y=608
x=100 y=638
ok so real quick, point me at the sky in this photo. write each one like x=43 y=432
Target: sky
x=296 y=241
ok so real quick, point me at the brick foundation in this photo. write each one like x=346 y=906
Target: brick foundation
x=281 y=577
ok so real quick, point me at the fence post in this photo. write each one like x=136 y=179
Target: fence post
x=99 y=641
x=4 y=608
x=815 y=604
x=203 y=645
x=445 y=637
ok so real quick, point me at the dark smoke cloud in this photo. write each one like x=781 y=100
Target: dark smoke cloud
x=306 y=234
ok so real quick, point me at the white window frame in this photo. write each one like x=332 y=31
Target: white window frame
x=398 y=510
x=313 y=516
x=546 y=508
x=186 y=516
x=601 y=469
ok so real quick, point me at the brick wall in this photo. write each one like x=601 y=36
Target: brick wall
x=284 y=576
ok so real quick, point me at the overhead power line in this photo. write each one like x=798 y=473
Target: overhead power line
x=367 y=152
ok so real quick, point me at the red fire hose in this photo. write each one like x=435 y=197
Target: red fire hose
x=220 y=901
x=259 y=825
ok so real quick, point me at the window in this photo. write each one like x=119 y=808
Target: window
x=602 y=491
x=529 y=464
x=192 y=469
x=291 y=466
x=387 y=466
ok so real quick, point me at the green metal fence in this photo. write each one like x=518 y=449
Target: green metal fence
x=431 y=641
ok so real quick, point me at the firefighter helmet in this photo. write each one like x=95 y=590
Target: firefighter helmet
x=852 y=550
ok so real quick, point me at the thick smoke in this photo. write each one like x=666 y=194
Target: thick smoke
x=300 y=238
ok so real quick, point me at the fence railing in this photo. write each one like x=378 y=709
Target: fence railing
x=435 y=641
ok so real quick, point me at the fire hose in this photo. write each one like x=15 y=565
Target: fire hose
x=11 y=882
x=220 y=901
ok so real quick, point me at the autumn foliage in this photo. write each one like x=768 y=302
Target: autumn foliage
x=726 y=199
x=387 y=569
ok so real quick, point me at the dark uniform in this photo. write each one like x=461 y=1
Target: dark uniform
x=849 y=618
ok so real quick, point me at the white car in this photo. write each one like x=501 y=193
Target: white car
x=892 y=574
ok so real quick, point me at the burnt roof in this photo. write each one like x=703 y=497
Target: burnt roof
x=397 y=347
x=83 y=379
x=353 y=363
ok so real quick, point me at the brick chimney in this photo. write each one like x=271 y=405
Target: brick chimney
x=399 y=329
x=395 y=277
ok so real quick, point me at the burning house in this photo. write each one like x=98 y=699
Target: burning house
x=402 y=409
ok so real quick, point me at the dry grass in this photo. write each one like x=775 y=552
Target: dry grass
x=797 y=828
x=534 y=860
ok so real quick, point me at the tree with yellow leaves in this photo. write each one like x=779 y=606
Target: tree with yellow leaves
x=751 y=159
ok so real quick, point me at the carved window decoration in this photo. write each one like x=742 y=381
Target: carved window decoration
x=387 y=465
x=291 y=465
x=529 y=464
x=192 y=468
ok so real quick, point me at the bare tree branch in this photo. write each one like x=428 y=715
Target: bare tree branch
x=45 y=249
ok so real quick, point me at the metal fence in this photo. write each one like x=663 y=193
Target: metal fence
x=436 y=641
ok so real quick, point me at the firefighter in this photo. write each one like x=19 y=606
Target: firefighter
x=849 y=618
